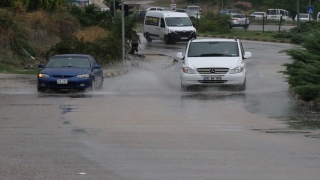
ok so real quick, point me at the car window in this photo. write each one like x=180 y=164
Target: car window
x=194 y=8
x=213 y=49
x=239 y=16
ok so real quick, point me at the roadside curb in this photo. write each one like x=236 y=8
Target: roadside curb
x=112 y=74
x=169 y=64
x=308 y=105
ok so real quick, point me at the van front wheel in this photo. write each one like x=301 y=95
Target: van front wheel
x=149 y=40
x=166 y=39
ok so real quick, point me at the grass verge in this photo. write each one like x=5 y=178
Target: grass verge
x=10 y=70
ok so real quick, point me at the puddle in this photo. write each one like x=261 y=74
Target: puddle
x=68 y=108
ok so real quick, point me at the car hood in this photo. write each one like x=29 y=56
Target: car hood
x=66 y=71
x=205 y=62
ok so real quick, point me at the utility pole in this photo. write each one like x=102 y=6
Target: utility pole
x=298 y=17
x=123 y=36
x=308 y=12
x=114 y=8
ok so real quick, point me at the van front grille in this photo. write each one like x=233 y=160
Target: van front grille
x=213 y=70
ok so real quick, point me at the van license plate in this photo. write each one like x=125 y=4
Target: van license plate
x=184 y=38
x=62 y=81
x=212 y=78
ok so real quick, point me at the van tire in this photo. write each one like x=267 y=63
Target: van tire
x=166 y=39
x=149 y=40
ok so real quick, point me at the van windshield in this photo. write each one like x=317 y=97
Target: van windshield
x=273 y=12
x=178 y=21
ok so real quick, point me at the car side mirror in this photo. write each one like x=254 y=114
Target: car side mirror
x=247 y=55
x=96 y=66
x=41 y=66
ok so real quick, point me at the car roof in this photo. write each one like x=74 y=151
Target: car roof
x=72 y=55
x=214 y=40
x=167 y=13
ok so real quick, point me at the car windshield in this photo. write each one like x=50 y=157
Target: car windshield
x=273 y=12
x=195 y=8
x=303 y=15
x=178 y=21
x=58 y=62
x=261 y=14
x=213 y=49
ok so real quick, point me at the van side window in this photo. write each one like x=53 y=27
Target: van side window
x=162 y=24
x=153 y=21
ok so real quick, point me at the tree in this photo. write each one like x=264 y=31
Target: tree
x=33 y=4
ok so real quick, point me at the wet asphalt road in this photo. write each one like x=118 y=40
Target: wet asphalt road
x=141 y=126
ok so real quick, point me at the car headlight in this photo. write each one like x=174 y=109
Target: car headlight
x=83 y=76
x=189 y=70
x=41 y=75
x=170 y=31
x=236 y=70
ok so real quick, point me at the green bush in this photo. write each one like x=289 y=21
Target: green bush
x=303 y=74
x=213 y=23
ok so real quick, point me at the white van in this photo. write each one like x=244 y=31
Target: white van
x=168 y=26
x=318 y=16
x=276 y=14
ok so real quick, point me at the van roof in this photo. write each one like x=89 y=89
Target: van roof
x=167 y=13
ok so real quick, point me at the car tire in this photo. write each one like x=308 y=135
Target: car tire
x=243 y=86
x=101 y=79
x=184 y=88
x=93 y=85
x=149 y=40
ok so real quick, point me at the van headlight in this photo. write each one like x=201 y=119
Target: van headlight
x=189 y=70
x=236 y=70
x=170 y=31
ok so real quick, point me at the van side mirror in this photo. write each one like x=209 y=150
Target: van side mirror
x=162 y=25
x=180 y=56
x=247 y=55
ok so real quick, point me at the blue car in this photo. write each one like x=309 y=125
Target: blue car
x=70 y=72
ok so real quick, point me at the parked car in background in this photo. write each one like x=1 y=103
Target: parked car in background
x=191 y=14
x=139 y=16
x=304 y=17
x=318 y=16
x=259 y=15
x=70 y=71
x=213 y=62
x=158 y=9
x=196 y=9
x=229 y=11
x=239 y=20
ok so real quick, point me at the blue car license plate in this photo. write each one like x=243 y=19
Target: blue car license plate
x=62 y=81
